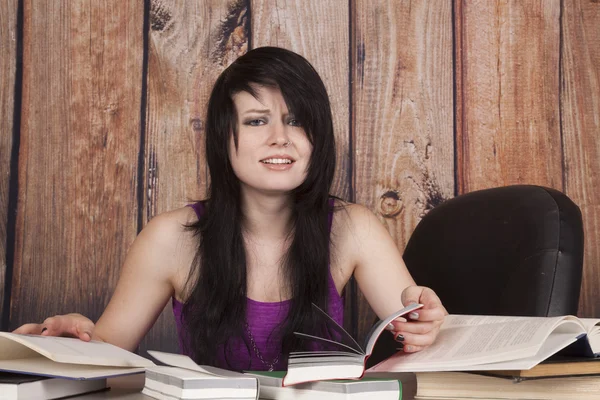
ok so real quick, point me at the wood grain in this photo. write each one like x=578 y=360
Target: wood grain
x=402 y=114
x=508 y=93
x=580 y=116
x=190 y=43
x=318 y=30
x=8 y=66
x=78 y=155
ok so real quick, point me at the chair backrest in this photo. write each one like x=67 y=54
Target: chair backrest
x=514 y=250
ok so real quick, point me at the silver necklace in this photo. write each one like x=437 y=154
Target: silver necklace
x=257 y=352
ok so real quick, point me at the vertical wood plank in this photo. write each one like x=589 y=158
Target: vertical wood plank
x=190 y=44
x=508 y=60
x=402 y=114
x=8 y=64
x=318 y=30
x=78 y=155
x=580 y=116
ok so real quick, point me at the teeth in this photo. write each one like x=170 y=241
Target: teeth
x=277 y=161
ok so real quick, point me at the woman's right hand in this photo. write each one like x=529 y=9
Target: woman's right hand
x=70 y=325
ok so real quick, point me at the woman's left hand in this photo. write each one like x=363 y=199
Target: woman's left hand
x=422 y=326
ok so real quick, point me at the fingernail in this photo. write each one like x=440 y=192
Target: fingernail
x=407 y=349
x=86 y=336
x=44 y=330
x=390 y=327
x=413 y=315
x=400 y=347
x=399 y=338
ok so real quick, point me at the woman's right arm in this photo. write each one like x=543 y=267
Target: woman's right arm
x=156 y=265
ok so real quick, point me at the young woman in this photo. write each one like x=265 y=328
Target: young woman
x=244 y=266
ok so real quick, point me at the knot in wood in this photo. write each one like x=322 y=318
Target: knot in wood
x=390 y=204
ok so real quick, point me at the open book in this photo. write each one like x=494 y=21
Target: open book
x=487 y=343
x=347 y=361
x=59 y=357
x=69 y=358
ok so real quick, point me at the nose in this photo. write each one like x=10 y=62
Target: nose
x=279 y=135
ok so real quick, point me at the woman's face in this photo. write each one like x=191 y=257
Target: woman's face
x=273 y=150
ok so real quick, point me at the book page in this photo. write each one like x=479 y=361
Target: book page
x=74 y=351
x=592 y=325
x=380 y=326
x=335 y=333
x=466 y=341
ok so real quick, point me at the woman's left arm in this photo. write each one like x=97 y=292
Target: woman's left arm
x=386 y=283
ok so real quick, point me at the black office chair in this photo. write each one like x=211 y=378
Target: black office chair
x=514 y=250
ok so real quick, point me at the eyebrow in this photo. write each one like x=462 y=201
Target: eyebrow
x=256 y=111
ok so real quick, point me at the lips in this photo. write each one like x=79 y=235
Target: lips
x=278 y=159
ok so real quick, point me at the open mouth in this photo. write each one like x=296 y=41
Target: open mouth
x=277 y=161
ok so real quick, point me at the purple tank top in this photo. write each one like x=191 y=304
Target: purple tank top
x=262 y=319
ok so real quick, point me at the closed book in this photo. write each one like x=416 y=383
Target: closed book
x=364 y=389
x=180 y=383
x=556 y=366
x=466 y=385
x=182 y=379
x=32 y=387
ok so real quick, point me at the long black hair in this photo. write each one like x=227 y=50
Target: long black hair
x=215 y=309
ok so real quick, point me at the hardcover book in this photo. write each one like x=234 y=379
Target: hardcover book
x=341 y=358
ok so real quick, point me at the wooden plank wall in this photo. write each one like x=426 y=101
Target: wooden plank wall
x=580 y=122
x=79 y=142
x=431 y=99
x=8 y=71
x=402 y=115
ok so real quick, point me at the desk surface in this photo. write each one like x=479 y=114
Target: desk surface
x=129 y=388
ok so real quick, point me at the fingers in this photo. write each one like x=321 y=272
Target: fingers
x=436 y=313
x=424 y=324
x=29 y=329
x=72 y=325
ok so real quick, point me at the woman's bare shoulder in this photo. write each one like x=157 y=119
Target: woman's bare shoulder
x=350 y=219
x=168 y=236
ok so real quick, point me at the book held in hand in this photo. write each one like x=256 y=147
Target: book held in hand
x=346 y=362
x=364 y=389
x=32 y=387
x=487 y=343
x=70 y=358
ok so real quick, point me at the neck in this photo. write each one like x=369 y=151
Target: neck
x=267 y=216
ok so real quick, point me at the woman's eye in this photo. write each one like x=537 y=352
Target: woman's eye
x=255 y=122
x=294 y=122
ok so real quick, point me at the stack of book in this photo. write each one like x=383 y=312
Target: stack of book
x=479 y=357
x=44 y=368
